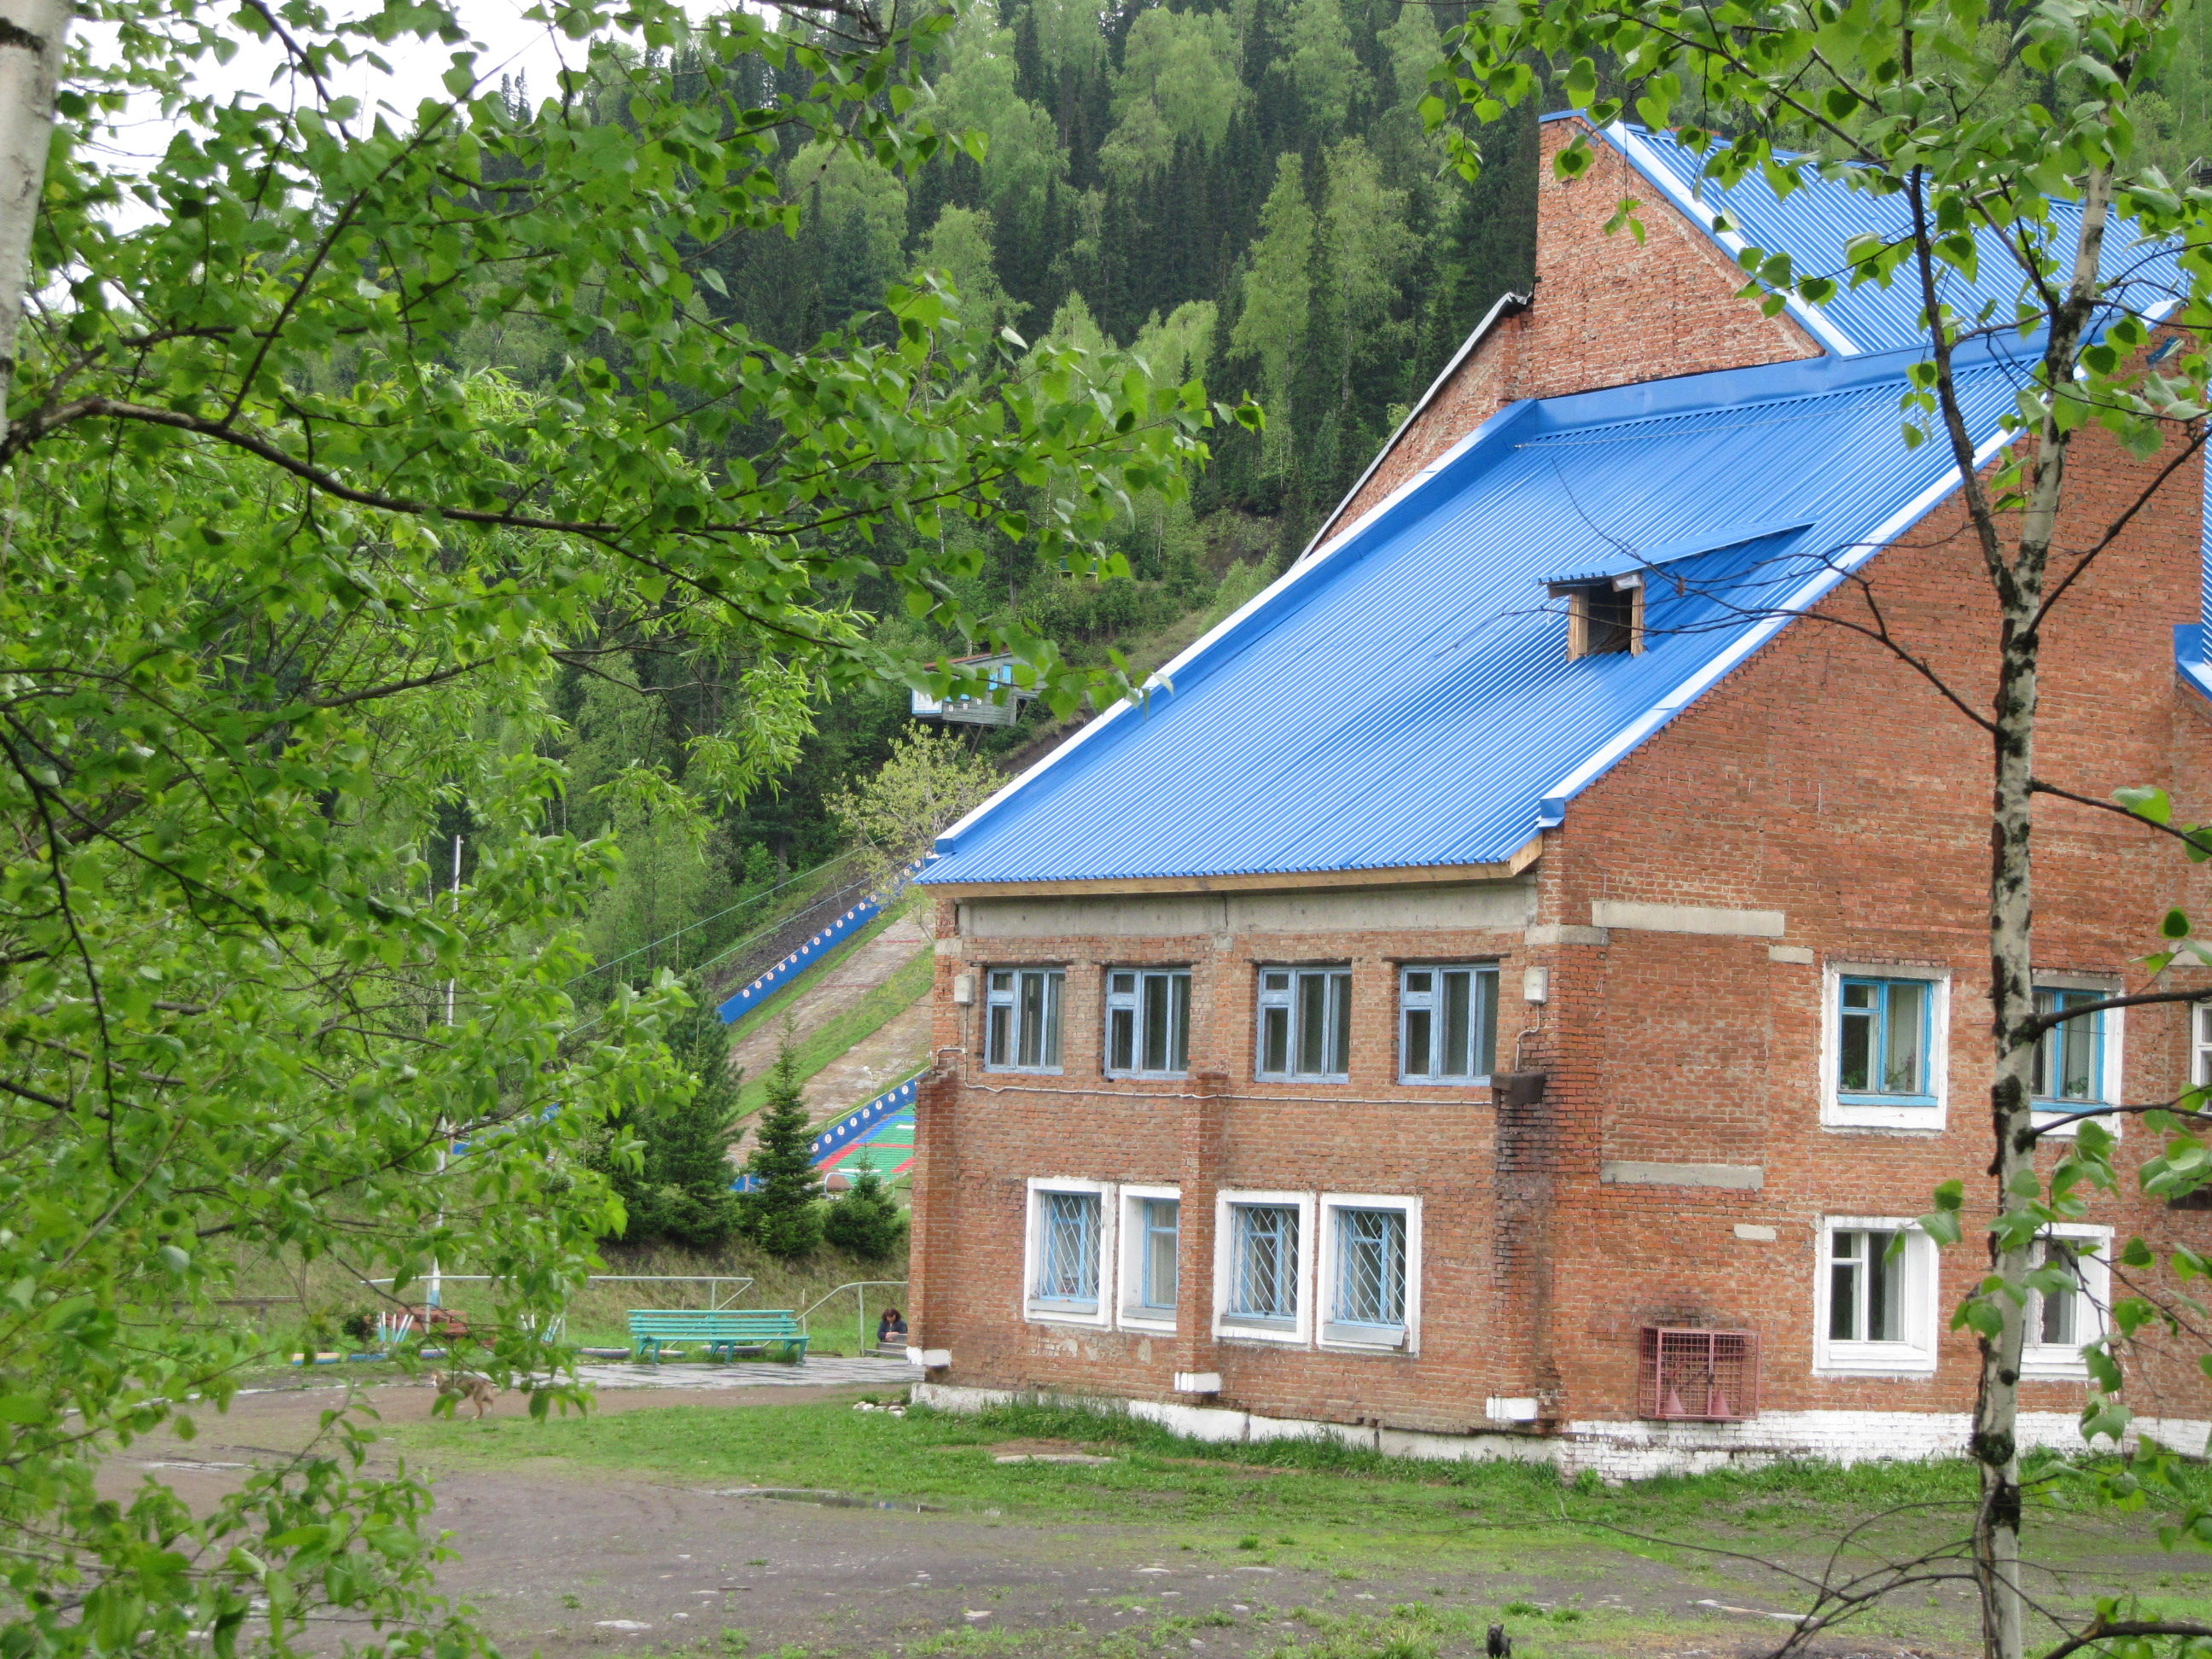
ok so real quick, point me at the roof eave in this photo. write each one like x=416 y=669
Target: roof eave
x=1421 y=875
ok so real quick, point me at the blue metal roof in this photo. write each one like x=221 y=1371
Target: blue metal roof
x=1817 y=221
x=1404 y=699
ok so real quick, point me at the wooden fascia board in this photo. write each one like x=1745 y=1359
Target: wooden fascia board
x=1426 y=875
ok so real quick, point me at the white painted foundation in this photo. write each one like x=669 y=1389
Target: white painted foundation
x=1616 y=1451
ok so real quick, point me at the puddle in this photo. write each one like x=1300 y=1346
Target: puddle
x=835 y=1500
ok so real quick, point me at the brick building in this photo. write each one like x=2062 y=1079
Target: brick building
x=1565 y=758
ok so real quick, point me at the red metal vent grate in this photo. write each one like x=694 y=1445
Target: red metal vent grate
x=1704 y=1377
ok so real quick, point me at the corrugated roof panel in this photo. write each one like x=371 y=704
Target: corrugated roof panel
x=1407 y=700
x=1816 y=224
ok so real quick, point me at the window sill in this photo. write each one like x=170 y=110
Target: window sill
x=1063 y=1313
x=1146 y=1077
x=1874 y=1360
x=1264 y=1077
x=1024 y=1071
x=1239 y=1326
x=2046 y=1115
x=1148 y=1319
x=1482 y=1082
x=1887 y=1102
x=1928 y=1119
x=1365 y=1339
x=2052 y=1365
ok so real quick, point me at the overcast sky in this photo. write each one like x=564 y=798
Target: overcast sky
x=511 y=45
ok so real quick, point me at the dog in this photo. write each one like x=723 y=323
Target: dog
x=464 y=1388
x=1500 y=1645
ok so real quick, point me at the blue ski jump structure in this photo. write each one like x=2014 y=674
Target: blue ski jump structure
x=879 y=1135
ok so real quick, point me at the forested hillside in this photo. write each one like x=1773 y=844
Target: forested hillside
x=1243 y=195
x=1241 y=191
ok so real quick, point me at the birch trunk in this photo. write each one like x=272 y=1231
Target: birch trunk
x=2020 y=589
x=31 y=34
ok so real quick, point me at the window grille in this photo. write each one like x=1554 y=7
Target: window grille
x=1147 y=1022
x=1263 y=1279
x=1305 y=1023
x=1708 y=1376
x=1021 y=1029
x=1370 y=1267
x=1448 y=1024
x=1886 y=1027
x=2069 y=1058
x=1067 y=1268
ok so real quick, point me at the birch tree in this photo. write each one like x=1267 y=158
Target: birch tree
x=1900 y=100
x=288 y=569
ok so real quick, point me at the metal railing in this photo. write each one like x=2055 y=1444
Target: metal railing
x=860 y=1287
x=390 y=1327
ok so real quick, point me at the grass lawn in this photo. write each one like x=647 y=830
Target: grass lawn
x=1558 y=1553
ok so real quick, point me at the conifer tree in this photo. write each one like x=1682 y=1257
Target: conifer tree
x=866 y=1220
x=779 y=1213
x=682 y=1193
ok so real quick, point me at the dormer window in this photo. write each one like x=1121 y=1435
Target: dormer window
x=1605 y=619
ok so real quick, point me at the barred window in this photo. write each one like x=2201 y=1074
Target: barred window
x=1370 y=1268
x=1263 y=1274
x=1067 y=1256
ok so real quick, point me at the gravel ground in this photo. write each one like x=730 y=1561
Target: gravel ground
x=569 y=1561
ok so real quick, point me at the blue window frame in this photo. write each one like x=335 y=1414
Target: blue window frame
x=2069 y=1060
x=1886 y=1030
x=1162 y=1220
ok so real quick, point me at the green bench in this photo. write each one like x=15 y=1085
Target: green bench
x=722 y=1331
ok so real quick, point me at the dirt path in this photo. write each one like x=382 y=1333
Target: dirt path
x=565 y=1562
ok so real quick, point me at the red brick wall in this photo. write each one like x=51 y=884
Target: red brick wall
x=1828 y=781
x=1680 y=288
x=1823 y=779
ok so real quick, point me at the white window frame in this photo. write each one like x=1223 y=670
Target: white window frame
x=1350 y=1338
x=1921 y=1283
x=1837 y=1113
x=1265 y=999
x=2060 y=1362
x=1129 y=1286
x=2200 y=1043
x=1135 y=1002
x=1298 y=1332
x=1043 y=1311
x=990 y=1001
x=2111 y=1069
x=1479 y=970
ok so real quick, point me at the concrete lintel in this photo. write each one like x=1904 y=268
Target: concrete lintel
x=1198 y=1382
x=1738 y=1177
x=1752 y=1232
x=1801 y=955
x=1686 y=919
x=1559 y=932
